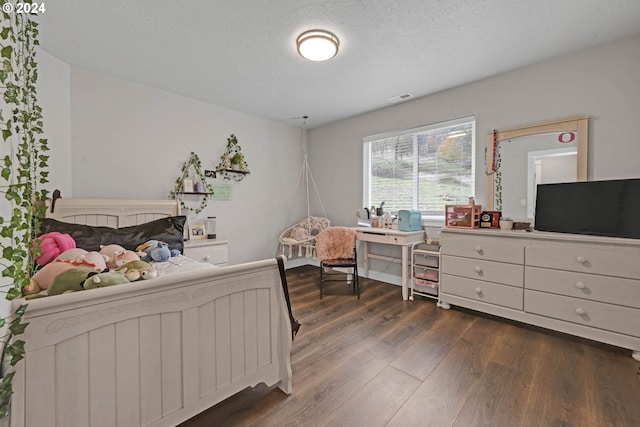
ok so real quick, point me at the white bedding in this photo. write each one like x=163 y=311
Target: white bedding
x=180 y=264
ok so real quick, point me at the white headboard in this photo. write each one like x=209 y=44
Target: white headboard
x=113 y=213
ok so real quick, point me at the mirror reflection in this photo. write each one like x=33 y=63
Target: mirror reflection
x=528 y=161
x=523 y=157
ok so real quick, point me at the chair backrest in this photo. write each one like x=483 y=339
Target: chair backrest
x=336 y=243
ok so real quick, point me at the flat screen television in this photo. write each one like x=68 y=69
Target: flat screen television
x=600 y=208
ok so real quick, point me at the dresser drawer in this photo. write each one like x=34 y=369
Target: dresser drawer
x=492 y=293
x=580 y=285
x=506 y=274
x=599 y=315
x=585 y=259
x=217 y=254
x=489 y=248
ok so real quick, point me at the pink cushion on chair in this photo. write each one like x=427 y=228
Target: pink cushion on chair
x=335 y=243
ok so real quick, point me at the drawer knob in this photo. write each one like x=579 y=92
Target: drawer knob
x=580 y=285
x=580 y=311
x=478 y=249
x=207 y=257
x=581 y=259
x=478 y=270
x=478 y=291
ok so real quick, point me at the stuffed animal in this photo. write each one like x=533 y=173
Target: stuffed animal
x=126 y=257
x=111 y=254
x=51 y=245
x=116 y=255
x=160 y=253
x=137 y=270
x=71 y=280
x=300 y=234
x=106 y=278
x=81 y=258
x=155 y=250
x=42 y=279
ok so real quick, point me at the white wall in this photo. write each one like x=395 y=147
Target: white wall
x=54 y=96
x=601 y=82
x=130 y=141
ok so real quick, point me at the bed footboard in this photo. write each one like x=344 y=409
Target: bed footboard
x=153 y=353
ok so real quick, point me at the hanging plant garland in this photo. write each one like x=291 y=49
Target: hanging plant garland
x=178 y=191
x=233 y=166
x=23 y=170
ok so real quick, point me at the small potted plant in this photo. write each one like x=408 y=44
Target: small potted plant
x=237 y=162
x=233 y=165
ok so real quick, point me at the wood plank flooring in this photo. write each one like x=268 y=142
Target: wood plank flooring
x=381 y=361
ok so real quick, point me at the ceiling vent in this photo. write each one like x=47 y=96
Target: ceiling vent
x=400 y=98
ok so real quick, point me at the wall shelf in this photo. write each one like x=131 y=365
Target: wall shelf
x=195 y=193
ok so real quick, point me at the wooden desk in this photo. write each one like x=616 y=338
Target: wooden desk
x=389 y=237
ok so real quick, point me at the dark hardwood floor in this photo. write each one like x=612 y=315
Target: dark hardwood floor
x=381 y=361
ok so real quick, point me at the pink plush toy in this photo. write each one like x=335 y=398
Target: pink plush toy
x=53 y=244
x=111 y=254
x=126 y=257
x=41 y=280
x=116 y=255
x=81 y=258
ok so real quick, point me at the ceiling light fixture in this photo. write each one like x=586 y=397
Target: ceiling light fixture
x=317 y=45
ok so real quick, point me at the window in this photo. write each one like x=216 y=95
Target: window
x=424 y=168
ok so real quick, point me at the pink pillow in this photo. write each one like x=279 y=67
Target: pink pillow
x=53 y=244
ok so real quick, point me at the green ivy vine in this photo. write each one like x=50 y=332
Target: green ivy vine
x=23 y=170
x=498 y=180
x=192 y=164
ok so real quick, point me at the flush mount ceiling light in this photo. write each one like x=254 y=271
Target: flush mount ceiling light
x=317 y=45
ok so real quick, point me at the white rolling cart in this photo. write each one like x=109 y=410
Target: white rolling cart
x=425 y=270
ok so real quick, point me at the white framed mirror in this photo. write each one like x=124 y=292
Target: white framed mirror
x=519 y=158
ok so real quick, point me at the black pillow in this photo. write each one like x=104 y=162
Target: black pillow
x=169 y=230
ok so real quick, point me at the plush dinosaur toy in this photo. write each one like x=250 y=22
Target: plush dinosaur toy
x=81 y=278
x=101 y=280
x=137 y=270
x=71 y=280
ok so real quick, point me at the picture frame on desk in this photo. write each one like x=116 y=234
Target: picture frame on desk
x=197 y=232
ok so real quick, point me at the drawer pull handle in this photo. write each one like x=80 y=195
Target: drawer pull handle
x=478 y=291
x=478 y=270
x=581 y=259
x=580 y=311
x=580 y=285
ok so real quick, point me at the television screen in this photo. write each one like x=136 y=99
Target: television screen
x=601 y=208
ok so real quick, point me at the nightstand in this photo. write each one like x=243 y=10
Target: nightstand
x=213 y=251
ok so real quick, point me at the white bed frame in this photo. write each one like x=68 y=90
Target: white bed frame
x=152 y=353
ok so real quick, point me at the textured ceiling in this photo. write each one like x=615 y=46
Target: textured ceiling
x=241 y=54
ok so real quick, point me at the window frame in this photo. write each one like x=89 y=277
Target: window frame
x=430 y=220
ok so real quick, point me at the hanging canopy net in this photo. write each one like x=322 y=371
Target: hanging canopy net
x=299 y=239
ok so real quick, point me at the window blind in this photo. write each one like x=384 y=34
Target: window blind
x=421 y=168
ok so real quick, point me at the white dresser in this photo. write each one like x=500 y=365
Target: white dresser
x=582 y=285
x=213 y=251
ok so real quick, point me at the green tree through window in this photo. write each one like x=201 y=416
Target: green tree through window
x=424 y=168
